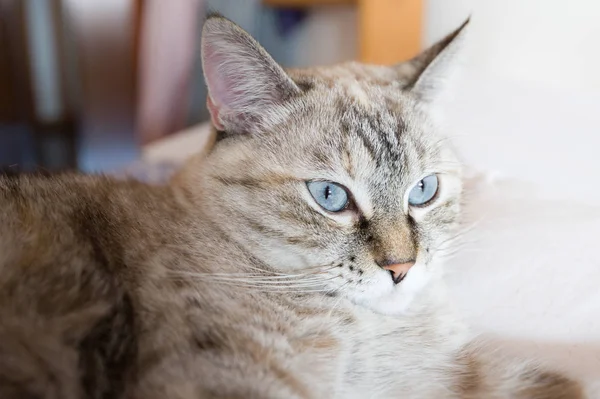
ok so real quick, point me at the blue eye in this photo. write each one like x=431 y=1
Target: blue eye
x=330 y=196
x=424 y=191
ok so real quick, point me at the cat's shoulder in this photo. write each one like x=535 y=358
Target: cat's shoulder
x=22 y=184
x=53 y=205
x=71 y=188
x=62 y=302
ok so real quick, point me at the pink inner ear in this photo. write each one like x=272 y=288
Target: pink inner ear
x=217 y=84
x=227 y=94
x=242 y=83
x=214 y=113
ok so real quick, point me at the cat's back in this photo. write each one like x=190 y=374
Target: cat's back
x=50 y=213
x=57 y=231
x=69 y=247
x=42 y=217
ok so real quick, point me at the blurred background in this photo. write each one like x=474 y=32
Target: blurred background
x=88 y=83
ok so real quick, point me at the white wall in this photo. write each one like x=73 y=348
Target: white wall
x=528 y=101
x=552 y=42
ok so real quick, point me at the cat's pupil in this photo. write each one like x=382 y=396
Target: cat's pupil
x=327 y=192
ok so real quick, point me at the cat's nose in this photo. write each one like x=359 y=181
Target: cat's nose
x=398 y=270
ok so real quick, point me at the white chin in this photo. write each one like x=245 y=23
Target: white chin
x=386 y=298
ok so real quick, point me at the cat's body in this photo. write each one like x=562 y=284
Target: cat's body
x=230 y=282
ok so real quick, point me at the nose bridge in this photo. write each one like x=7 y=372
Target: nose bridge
x=394 y=241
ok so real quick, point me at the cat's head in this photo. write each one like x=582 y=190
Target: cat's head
x=340 y=173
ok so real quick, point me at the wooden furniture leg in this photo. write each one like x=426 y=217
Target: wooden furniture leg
x=169 y=42
x=389 y=30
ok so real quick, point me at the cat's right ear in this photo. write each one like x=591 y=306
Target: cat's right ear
x=247 y=89
x=429 y=74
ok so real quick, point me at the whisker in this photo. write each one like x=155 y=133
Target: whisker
x=284 y=274
x=271 y=274
x=254 y=282
x=242 y=280
x=455 y=243
x=247 y=276
x=266 y=284
x=275 y=289
x=454 y=252
x=463 y=231
x=255 y=276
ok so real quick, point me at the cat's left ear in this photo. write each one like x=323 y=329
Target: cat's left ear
x=247 y=89
x=429 y=73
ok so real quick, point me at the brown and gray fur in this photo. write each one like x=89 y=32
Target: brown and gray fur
x=231 y=282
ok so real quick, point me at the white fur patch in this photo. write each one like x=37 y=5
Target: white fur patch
x=386 y=298
x=355 y=91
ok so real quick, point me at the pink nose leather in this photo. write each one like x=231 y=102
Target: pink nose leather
x=399 y=270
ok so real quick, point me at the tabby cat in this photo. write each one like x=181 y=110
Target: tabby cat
x=300 y=258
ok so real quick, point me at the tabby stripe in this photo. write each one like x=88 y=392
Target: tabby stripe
x=303 y=241
x=266 y=230
x=266 y=181
x=347 y=157
x=369 y=145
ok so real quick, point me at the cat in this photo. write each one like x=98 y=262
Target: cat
x=300 y=258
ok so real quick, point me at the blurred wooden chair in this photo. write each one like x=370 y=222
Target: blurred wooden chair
x=105 y=75
x=136 y=61
x=26 y=123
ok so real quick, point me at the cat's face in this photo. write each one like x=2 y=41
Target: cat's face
x=334 y=173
